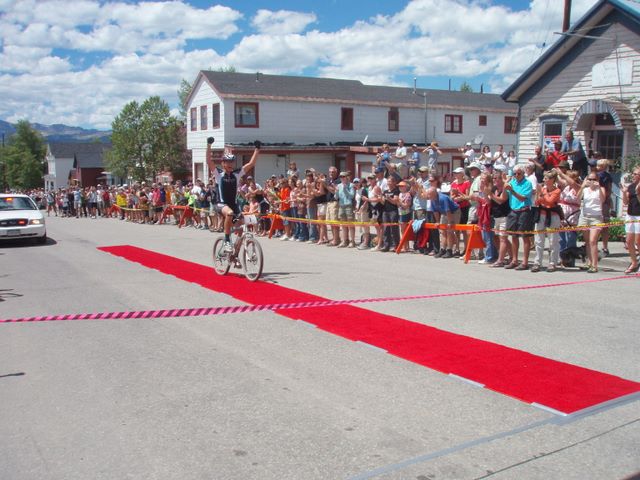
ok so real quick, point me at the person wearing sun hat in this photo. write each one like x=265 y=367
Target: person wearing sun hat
x=345 y=194
x=474 y=169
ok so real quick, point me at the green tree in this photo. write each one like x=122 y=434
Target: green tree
x=23 y=158
x=465 y=87
x=183 y=94
x=144 y=140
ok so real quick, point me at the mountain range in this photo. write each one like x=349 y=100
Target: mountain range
x=59 y=133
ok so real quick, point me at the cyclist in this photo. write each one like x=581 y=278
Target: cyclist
x=227 y=178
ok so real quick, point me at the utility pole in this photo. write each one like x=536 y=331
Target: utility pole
x=566 y=19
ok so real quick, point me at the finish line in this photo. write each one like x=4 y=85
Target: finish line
x=210 y=311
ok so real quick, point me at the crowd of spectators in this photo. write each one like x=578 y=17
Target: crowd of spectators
x=513 y=203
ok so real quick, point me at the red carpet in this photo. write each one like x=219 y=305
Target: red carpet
x=530 y=378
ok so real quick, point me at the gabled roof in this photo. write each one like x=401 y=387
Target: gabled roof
x=85 y=155
x=231 y=85
x=62 y=150
x=629 y=8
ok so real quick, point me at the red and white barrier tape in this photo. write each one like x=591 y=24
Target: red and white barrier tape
x=198 y=312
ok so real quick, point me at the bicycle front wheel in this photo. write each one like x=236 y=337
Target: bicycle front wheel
x=221 y=262
x=252 y=259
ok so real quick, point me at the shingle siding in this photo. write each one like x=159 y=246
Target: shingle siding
x=565 y=93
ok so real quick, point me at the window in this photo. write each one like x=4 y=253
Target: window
x=247 y=115
x=203 y=117
x=194 y=119
x=482 y=120
x=394 y=119
x=610 y=144
x=552 y=128
x=215 y=115
x=453 y=123
x=510 y=124
x=346 y=122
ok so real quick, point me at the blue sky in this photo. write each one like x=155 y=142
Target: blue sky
x=83 y=64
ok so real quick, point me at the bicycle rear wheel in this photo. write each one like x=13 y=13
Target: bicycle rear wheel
x=221 y=263
x=252 y=259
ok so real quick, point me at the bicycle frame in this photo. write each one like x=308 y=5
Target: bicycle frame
x=246 y=253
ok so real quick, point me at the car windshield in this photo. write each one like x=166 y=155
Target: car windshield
x=16 y=203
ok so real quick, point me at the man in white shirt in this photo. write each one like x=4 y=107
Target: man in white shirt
x=469 y=154
x=499 y=158
x=401 y=157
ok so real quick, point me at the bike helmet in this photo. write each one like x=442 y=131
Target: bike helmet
x=228 y=157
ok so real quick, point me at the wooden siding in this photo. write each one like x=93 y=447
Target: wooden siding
x=303 y=122
x=205 y=95
x=493 y=132
x=59 y=169
x=569 y=90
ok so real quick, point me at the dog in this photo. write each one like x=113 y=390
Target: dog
x=569 y=255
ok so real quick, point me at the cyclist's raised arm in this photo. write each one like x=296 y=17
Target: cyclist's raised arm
x=246 y=168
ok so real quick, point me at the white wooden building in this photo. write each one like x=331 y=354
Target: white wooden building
x=59 y=158
x=588 y=81
x=75 y=162
x=318 y=122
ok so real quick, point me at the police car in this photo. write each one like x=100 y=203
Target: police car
x=21 y=218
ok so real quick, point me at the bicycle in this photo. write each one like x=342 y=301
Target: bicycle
x=246 y=253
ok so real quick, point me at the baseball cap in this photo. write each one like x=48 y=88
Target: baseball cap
x=379 y=170
x=459 y=170
x=475 y=165
x=423 y=168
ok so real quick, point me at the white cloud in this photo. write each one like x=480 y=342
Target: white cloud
x=21 y=59
x=273 y=54
x=282 y=22
x=142 y=48
x=173 y=18
x=115 y=26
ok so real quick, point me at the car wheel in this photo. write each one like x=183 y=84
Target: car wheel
x=42 y=240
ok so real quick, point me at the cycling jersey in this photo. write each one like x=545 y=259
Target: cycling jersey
x=228 y=185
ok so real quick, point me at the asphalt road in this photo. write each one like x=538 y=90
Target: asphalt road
x=259 y=396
